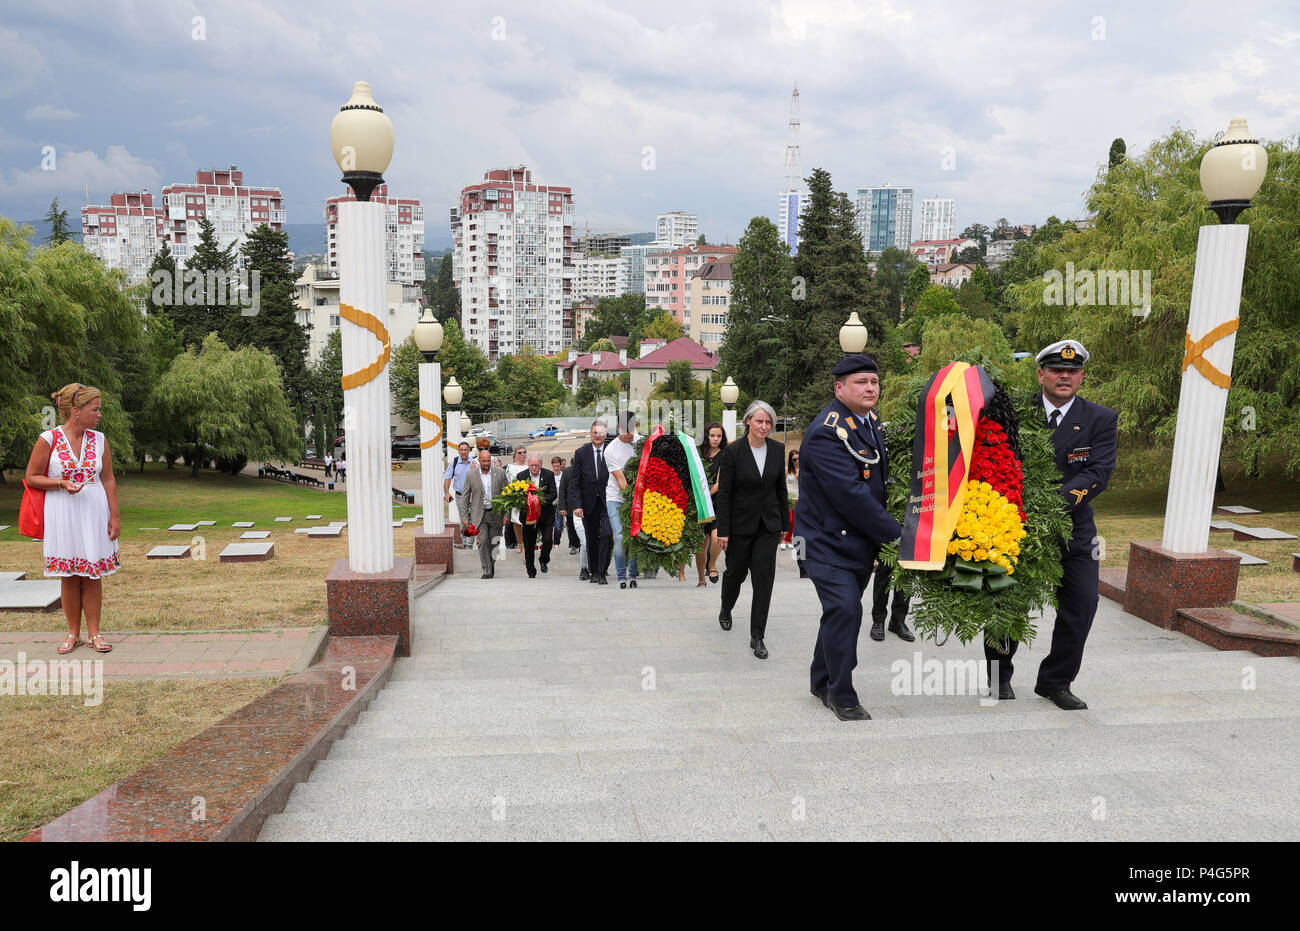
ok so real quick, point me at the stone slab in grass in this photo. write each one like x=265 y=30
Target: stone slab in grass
x=207 y=523
x=12 y=576
x=397 y=523
x=254 y=534
x=248 y=552
x=1247 y=559
x=30 y=595
x=168 y=552
x=283 y=520
x=151 y=528
x=301 y=529
x=409 y=520
x=4 y=526
x=338 y=523
x=313 y=517
x=1237 y=509
x=1224 y=525
x=243 y=523
x=1261 y=533
x=186 y=527
x=324 y=531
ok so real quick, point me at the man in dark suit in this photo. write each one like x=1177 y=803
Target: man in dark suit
x=545 y=525
x=1084 y=435
x=587 y=501
x=753 y=511
x=842 y=520
x=481 y=486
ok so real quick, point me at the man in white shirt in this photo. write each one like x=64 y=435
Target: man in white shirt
x=617 y=455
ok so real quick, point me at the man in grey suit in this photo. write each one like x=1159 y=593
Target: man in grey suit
x=481 y=486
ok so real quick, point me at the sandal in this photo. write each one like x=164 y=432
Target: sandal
x=702 y=584
x=70 y=643
x=99 y=646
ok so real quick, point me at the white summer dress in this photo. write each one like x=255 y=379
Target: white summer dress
x=76 y=526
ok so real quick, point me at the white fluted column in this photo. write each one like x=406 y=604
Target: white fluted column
x=729 y=424
x=367 y=406
x=1216 y=299
x=453 y=449
x=431 y=440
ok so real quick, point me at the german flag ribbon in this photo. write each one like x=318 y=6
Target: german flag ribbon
x=638 y=491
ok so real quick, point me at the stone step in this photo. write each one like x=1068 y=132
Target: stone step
x=1223 y=627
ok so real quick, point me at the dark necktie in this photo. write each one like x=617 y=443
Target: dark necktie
x=1054 y=418
x=602 y=472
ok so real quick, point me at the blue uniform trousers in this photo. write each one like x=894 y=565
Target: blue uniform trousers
x=835 y=655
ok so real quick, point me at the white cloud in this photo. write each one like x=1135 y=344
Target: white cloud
x=118 y=170
x=47 y=111
x=21 y=64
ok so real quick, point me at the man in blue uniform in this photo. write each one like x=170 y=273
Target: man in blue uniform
x=1084 y=434
x=842 y=521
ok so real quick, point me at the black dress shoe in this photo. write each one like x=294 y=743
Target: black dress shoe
x=878 y=630
x=903 y=633
x=622 y=585
x=756 y=644
x=487 y=575
x=725 y=620
x=856 y=713
x=543 y=567
x=631 y=583
x=532 y=575
x=1006 y=692
x=601 y=580
x=584 y=575
x=823 y=697
x=1063 y=698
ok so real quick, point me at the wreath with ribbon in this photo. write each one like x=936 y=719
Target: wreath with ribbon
x=667 y=504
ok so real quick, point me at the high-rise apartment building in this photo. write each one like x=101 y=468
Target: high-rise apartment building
x=126 y=233
x=677 y=229
x=710 y=300
x=595 y=276
x=512 y=259
x=600 y=244
x=789 y=206
x=668 y=277
x=938 y=218
x=884 y=217
x=632 y=259
x=132 y=228
x=403 y=235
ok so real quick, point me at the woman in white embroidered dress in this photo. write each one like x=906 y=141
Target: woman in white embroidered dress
x=82 y=525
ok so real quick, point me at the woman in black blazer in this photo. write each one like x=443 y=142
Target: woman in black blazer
x=753 y=511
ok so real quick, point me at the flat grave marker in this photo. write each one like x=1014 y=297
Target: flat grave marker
x=254 y=534
x=1224 y=525
x=283 y=520
x=301 y=529
x=248 y=552
x=207 y=523
x=1247 y=559
x=243 y=523
x=30 y=595
x=1237 y=509
x=168 y=552
x=4 y=526
x=1261 y=533
x=186 y=527
x=324 y=531
x=313 y=517
x=12 y=576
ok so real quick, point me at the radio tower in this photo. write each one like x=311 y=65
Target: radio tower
x=790 y=203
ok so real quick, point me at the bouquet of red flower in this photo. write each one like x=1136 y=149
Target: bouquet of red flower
x=469 y=530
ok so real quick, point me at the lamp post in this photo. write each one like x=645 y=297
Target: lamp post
x=428 y=339
x=730 y=393
x=453 y=394
x=361 y=136
x=1231 y=174
x=853 y=335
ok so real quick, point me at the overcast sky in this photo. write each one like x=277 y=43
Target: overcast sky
x=1023 y=98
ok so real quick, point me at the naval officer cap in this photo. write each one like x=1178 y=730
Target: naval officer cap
x=855 y=362
x=1067 y=354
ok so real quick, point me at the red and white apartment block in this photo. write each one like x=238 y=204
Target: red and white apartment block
x=125 y=233
x=513 y=262
x=668 y=277
x=403 y=235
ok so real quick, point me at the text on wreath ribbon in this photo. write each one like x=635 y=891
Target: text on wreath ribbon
x=374 y=325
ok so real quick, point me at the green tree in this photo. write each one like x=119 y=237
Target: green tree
x=60 y=231
x=971 y=255
x=404 y=380
x=625 y=315
x=208 y=302
x=1118 y=151
x=760 y=316
x=527 y=382
x=893 y=270
x=980 y=233
x=227 y=404
x=161 y=281
x=679 y=383
x=983 y=283
x=275 y=326
x=918 y=282
x=441 y=293
x=1148 y=211
x=467 y=363
x=934 y=303
x=664 y=326
x=326 y=381
x=593 y=389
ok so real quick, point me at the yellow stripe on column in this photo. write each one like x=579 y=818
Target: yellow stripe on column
x=374 y=325
x=428 y=444
x=1194 y=352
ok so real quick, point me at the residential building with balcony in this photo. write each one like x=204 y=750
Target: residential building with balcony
x=668 y=277
x=938 y=218
x=710 y=303
x=884 y=216
x=403 y=235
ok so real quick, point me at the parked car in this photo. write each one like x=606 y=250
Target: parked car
x=496 y=446
x=406 y=447
x=549 y=430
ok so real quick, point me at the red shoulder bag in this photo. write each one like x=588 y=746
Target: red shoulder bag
x=31 y=513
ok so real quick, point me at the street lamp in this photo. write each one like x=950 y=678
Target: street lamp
x=361 y=136
x=428 y=339
x=730 y=393
x=452 y=394
x=1231 y=174
x=853 y=335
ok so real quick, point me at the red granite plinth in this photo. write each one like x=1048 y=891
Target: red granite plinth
x=1295 y=562
x=454 y=526
x=1111 y=583
x=434 y=548
x=362 y=604
x=1225 y=629
x=1159 y=582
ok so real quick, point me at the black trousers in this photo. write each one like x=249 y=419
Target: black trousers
x=756 y=556
x=574 y=542
x=1076 y=600
x=880 y=594
x=545 y=527
x=835 y=655
x=511 y=542
x=600 y=544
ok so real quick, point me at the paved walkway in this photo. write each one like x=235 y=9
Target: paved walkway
x=180 y=654
x=553 y=709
